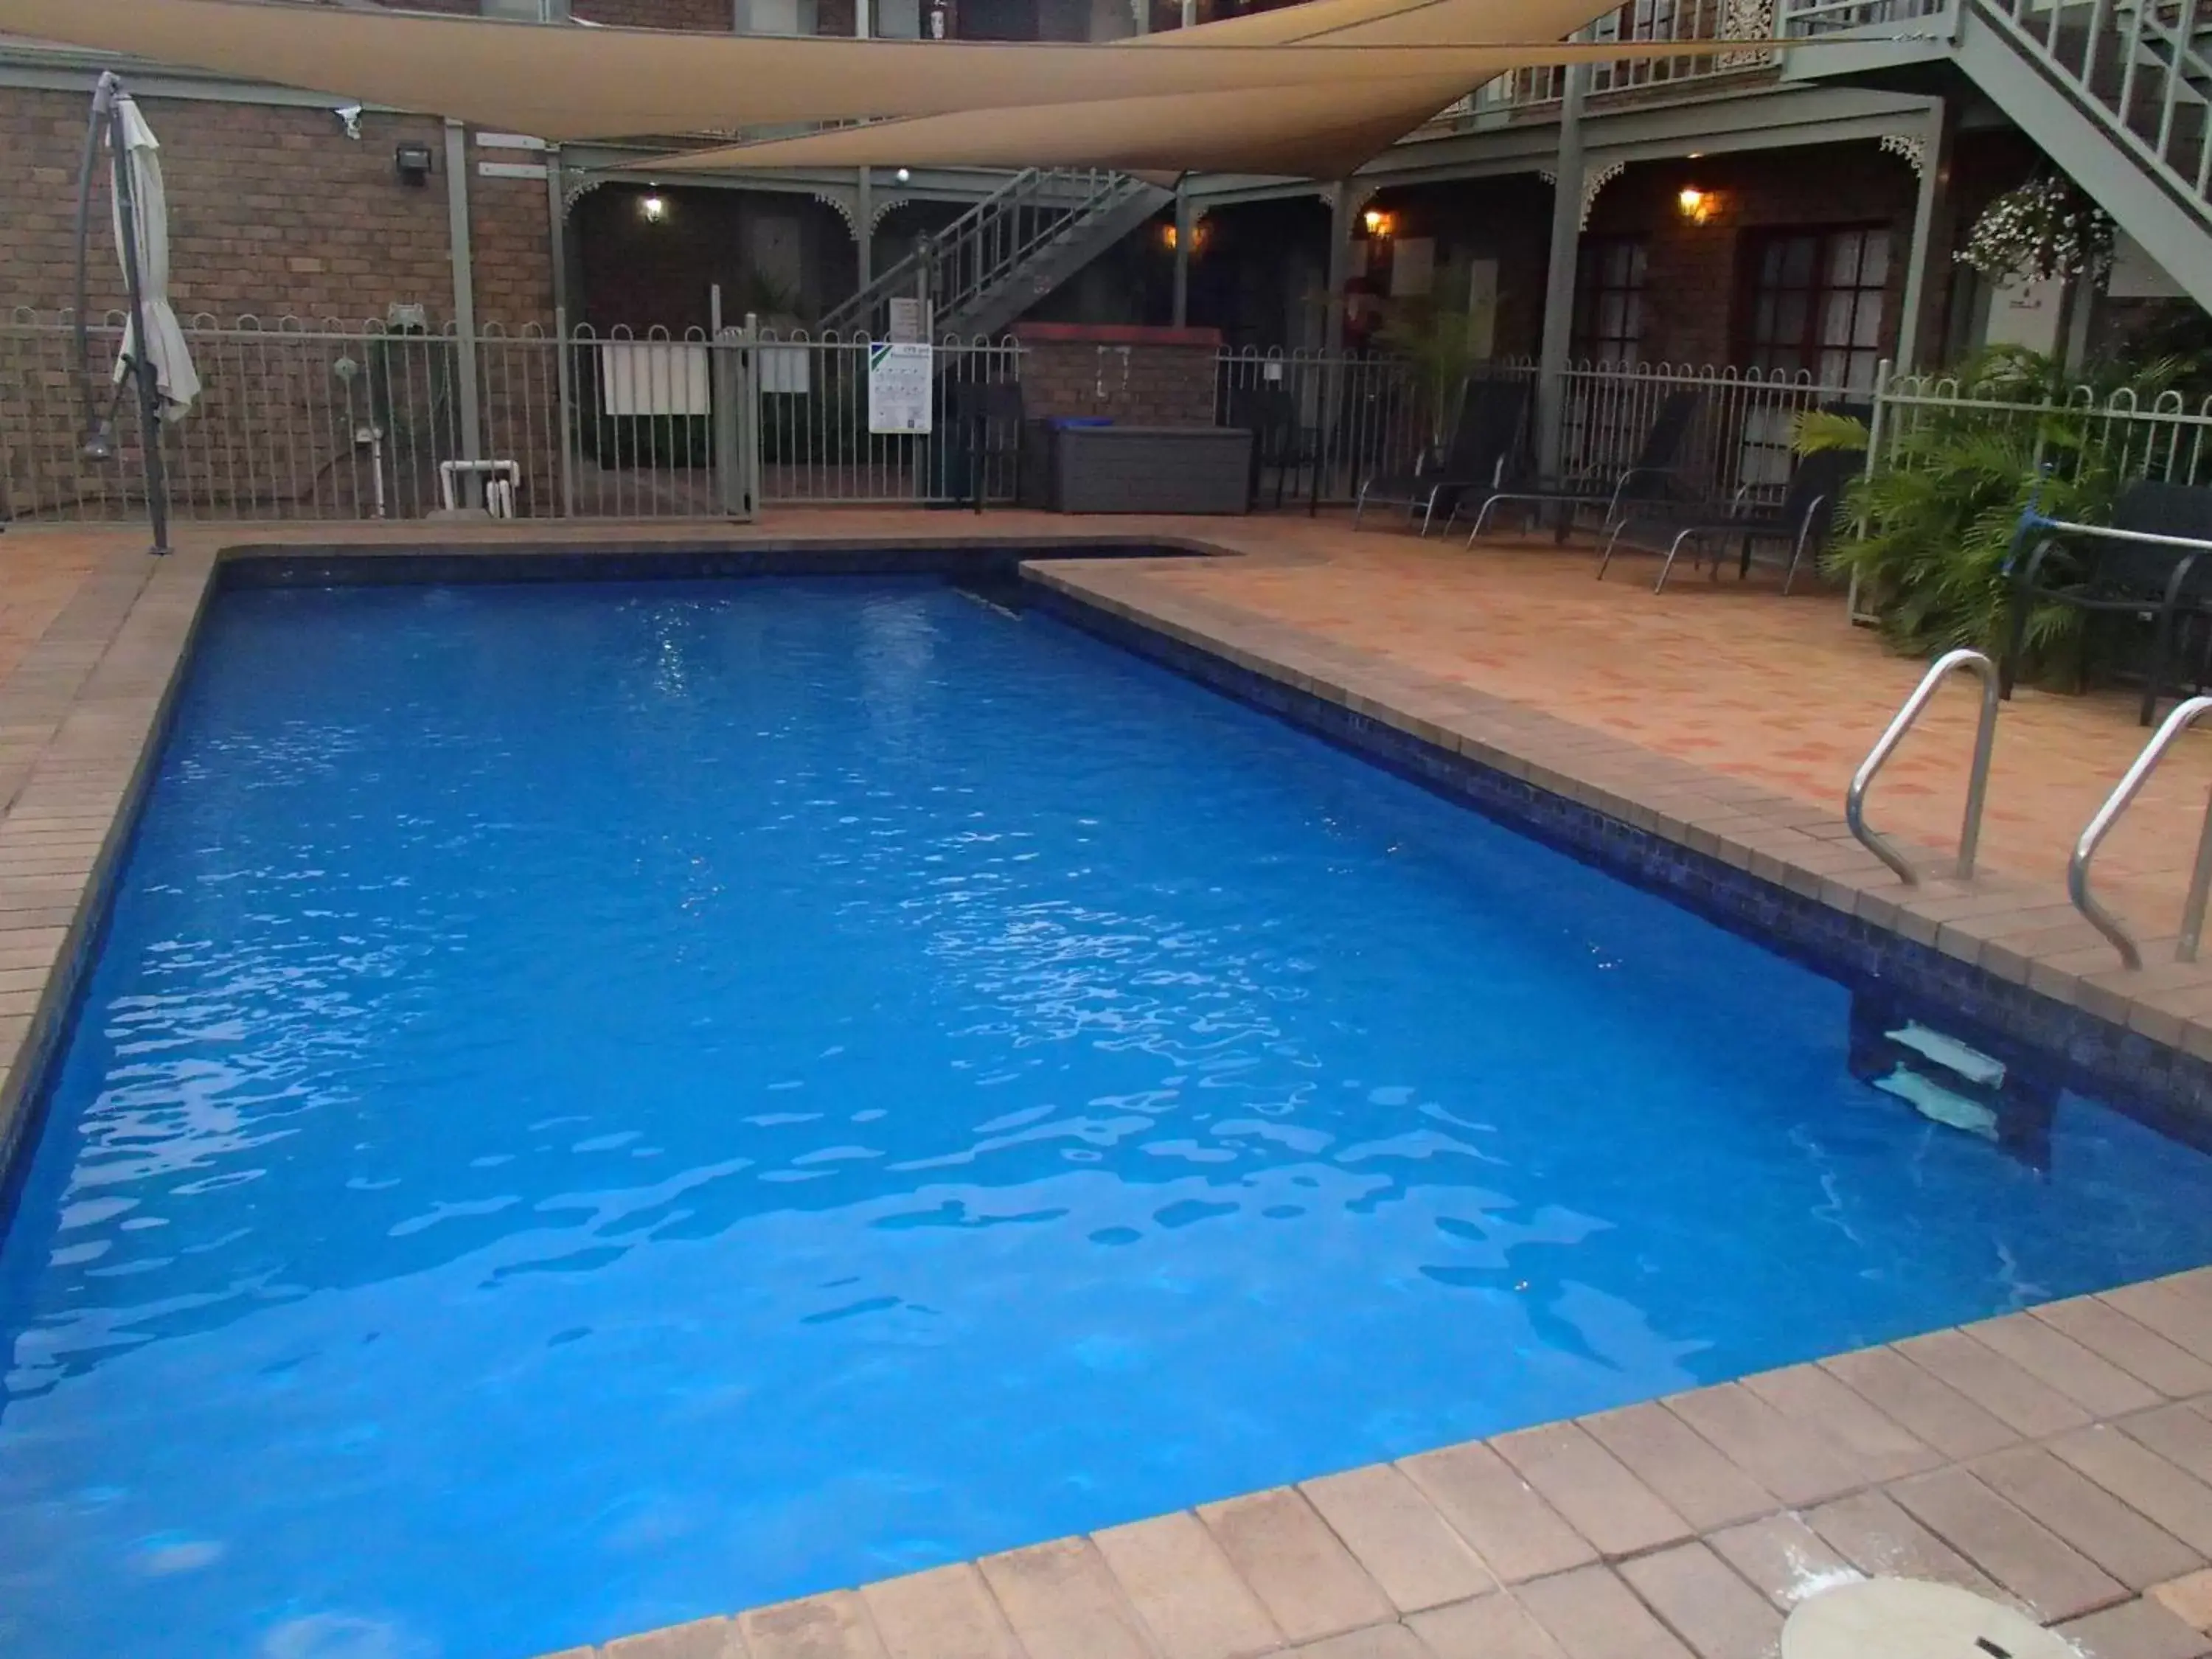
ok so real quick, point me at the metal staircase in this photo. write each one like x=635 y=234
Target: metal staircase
x=1008 y=251
x=2115 y=92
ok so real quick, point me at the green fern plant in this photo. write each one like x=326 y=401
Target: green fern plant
x=1928 y=533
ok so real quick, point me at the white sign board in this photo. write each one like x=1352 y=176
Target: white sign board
x=2025 y=314
x=783 y=368
x=653 y=377
x=906 y=321
x=900 y=380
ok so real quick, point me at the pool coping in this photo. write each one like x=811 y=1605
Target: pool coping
x=1890 y=1449
x=2006 y=959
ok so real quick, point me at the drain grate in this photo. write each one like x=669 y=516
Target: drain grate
x=1909 y=1618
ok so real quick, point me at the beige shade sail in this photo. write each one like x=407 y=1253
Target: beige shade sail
x=1302 y=132
x=1312 y=132
x=1363 y=22
x=568 y=82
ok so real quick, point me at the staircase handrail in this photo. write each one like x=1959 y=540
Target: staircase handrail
x=2159 y=36
x=2146 y=29
x=984 y=245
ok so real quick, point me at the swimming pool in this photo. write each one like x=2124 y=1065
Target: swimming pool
x=603 y=1103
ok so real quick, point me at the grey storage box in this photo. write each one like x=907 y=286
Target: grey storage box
x=1137 y=469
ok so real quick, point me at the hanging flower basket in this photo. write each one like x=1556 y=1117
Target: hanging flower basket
x=2046 y=227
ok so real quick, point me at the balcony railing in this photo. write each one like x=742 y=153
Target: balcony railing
x=1705 y=28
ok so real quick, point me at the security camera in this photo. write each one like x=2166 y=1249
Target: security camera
x=349 y=117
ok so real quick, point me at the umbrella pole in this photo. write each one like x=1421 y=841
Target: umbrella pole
x=142 y=369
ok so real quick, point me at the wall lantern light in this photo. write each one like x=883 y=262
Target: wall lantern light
x=1200 y=233
x=1699 y=207
x=1378 y=222
x=412 y=163
x=652 y=209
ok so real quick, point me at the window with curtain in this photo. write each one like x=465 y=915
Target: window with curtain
x=1815 y=304
x=1609 y=300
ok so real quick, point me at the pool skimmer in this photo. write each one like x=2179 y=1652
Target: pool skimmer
x=1912 y=1618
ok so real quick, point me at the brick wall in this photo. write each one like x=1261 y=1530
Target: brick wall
x=511 y=248
x=1695 y=281
x=271 y=209
x=274 y=213
x=1138 y=376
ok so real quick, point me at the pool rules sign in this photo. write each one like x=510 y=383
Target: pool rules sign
x=899 y=379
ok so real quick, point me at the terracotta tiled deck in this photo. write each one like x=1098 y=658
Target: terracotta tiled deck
x=2062 y=1458
x=1736 y=680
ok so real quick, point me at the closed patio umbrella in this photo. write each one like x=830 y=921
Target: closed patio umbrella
x=175 y=382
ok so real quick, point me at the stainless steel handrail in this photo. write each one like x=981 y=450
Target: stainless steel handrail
x=2200 y=880
x=1978 y=780
x=2108 y=532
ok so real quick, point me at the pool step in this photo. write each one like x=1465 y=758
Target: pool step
x=1939 y=1104
x=1950 y=1054
x=1950 y=1081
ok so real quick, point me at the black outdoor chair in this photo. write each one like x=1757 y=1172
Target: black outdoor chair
x=986 y=416
x=1281 y=439
x=1796 y=524
x=1491 y=416
x=2153 y=561
x=1650 y=478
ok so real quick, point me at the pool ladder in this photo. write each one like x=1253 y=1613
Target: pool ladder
x=2122 y=796
x=1978 y=780
x=2123 y=793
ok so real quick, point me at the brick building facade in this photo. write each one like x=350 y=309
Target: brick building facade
x=1697 y=283
x=1138 y=375
x=273 y=211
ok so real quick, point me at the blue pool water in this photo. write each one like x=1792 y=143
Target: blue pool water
x=604 y=1104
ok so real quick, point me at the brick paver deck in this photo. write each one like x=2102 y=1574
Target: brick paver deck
x=2057 y=1460
x=2061 y=1459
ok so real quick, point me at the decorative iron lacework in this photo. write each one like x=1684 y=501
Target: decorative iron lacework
x=1747 y=20
x=1913 y=150
x=1593 y=180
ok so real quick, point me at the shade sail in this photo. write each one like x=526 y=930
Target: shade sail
x=564 y=83
x=1304 y=131
x=1313 y=133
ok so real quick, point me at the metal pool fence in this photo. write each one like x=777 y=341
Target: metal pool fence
x=1325 y=424
x=2165 y=437
x=1739 y=439
x=337 y=420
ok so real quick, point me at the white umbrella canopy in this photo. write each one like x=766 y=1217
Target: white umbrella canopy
x=176 y=383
